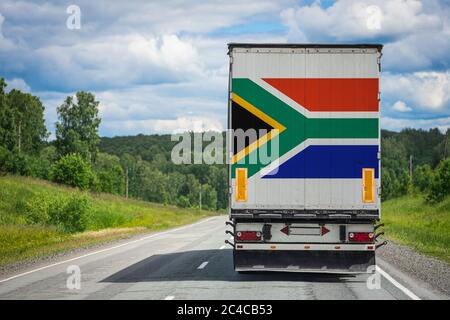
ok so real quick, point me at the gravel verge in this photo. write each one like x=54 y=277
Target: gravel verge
x=434 y=272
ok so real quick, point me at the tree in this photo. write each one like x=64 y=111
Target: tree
x=77 y=128
x=22 y=124
x=27 y=122
x=6 y=130
x=442 y=150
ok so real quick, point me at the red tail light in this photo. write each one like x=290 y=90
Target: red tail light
x=248 y=235
x=360 y=236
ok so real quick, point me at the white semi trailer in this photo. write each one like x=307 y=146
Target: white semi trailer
x=304 y=170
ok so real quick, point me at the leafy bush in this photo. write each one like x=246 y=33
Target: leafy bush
x=24 y=164
x=14 y=162
x=209 y=197
x=72 y=170
x=110 y=175
x=183 y=202
x=38 y=210
x=70 y=213
x=41 y=165
x=394 y=184
x=5 y=160
x=94 y=184
x=39 y=168
x=111 y=181
x=423 y=177
x=440 y=187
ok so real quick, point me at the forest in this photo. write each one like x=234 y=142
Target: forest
x=140 y=167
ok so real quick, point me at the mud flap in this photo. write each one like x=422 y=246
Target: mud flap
x=305 y=261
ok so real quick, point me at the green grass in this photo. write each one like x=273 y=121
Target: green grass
x=412 y=222
x=110 y=217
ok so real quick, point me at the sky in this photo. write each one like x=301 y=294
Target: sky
x=162 y=66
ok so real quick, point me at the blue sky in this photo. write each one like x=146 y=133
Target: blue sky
x=161 y=66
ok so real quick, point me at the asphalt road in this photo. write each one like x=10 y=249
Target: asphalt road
x=190 y=262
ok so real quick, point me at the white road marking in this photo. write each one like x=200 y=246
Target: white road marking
x=169 y=298
x=103 y=250
x=397 y=284
x=203 y=265
x=222 y=247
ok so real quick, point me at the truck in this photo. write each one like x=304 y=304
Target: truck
x=304 y=157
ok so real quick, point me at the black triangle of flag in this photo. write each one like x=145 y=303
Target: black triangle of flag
x=243 y=119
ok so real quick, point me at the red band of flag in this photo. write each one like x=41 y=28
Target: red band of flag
x=331 y=95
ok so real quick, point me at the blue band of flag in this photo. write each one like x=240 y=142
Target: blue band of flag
x=328 y=161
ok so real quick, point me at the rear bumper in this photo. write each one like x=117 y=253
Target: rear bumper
x=304 y=261
x=306 y=246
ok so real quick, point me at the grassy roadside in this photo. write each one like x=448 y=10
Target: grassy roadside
x=110 y=217
x=425 y=228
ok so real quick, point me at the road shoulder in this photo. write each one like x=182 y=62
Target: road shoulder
x=428 y=277
x=44 y=261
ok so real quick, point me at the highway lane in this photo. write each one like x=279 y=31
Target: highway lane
x=190 y=262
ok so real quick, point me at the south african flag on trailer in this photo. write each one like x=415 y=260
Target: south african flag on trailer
x=325 y=109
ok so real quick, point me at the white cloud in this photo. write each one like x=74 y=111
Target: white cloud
x=122 y=44
x=2 y=19
x=353 y=19
x=17 y=83
x=167 y=50
x=401 y=107
x=155 y=106
x=116 y=61
x=45 y=21
x=420 y=51
x=171 y=107
x=178 y=125
x=161 y=65
x=396 y=124
x=426 y=91
x=5 y=44
x=416 y=33
x=192 y=16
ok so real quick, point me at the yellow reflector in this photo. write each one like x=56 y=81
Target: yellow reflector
x=241 y=184
x=368 y=181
